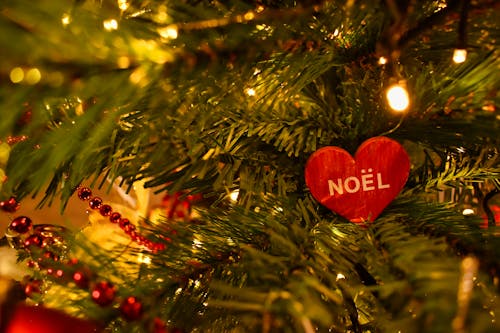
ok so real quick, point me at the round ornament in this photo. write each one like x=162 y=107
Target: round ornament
x=103 y=293
x=358 y=188
x=38 y=319
x=21 y=224
x=131 y=308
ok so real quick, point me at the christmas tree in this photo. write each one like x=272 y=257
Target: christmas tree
x=209 y=141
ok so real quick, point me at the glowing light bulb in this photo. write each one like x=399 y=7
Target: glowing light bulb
x=16 y=75
x=398 y=97
x=234 y=195
x=123 y=4
x=33 y=76
x=110 y=24
x=468 y=211
x=382 y=60
x=65 y=19
x=169 y=32
x=459 y=55
x=250 y=91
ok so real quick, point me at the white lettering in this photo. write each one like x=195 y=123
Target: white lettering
x=380 y=184
x=353 y=184
x=356 y=184
x=366 y=180
x=335 y=187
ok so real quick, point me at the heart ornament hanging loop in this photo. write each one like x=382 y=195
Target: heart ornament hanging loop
x=358 y=188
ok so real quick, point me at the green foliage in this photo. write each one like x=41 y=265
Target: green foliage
x=215 y=96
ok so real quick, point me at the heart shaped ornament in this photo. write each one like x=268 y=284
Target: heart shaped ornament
x=358 y=188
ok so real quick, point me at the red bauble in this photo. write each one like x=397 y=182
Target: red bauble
x=37 y=319
x=358 y=188
x=81 y=279
x=35 y=239
x=10 y=205
x=103 y=293
x=131 y=308
x=21 y=224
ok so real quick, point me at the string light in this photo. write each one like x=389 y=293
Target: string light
x=468 y=211
x=16 y=75
x=459 y=55
x=398 y=96
x=234 y=195
x=123 y=5
x=382 y=60
x=33 y=76
x=250 y=91
x=66 y=19
x=110 y=24
x=169 y=32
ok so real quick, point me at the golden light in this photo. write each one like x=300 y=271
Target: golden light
x=382 y=60
x=143 y=259
x=250 y=91
x=66 y=19
x=468 y=211
x=398 y=97
x=459 y=55
x=169 y=32
x=33 y=76
x=123 y=62
x=16 y=75
x=234 y=195
x=110 y=24
x=123 y=4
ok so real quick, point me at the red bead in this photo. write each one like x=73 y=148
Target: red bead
x=51 y=255
x=115 y=217
x=35 y=239
x=129 y=228
x=72 y=261
x=84 y=193
x=105 y=210
x=131 y=308
x=133 y=235
x=21 y=224
x=32 y=264
x=123 y=223
x=81 y=280
x=32 y=287
x=9 y=206
x=159 y=246
x=95 y=203
x=103 y=293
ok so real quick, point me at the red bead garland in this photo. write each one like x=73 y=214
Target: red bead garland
x=96 y=203
x=40 y=242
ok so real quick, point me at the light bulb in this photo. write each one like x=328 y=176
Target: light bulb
x=250 y=91
x=398 y=97
x=234 y=195
x=110 y=24
x=459 y=55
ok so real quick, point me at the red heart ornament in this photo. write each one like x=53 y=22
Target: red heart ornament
x=358 y=188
